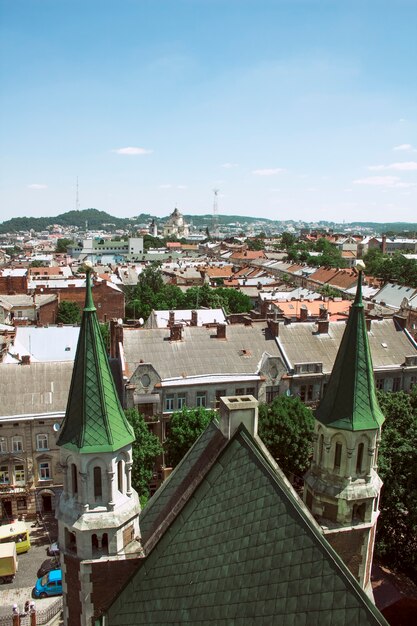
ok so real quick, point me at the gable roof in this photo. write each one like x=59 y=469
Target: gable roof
x=94 y=420
x=242 y=550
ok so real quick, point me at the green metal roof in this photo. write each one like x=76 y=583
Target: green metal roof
x=350 y=401
x=94 y=420
x=243 y=551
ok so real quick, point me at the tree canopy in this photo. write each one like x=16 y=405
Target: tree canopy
x=396 y=538
x=185 y=427
x=152 y=293
x=395 y=268
x=286 y=427
x=146 y=449
x=68 y=313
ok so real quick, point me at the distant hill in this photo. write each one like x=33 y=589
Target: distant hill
x=100 y=220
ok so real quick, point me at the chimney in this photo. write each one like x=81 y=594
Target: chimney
x=221 y=331
x=194 y=318
x=323 y=313
x=171 y=319
x=384 y=244
x=26 y=359
x=274 y=327
x=303 y=313
x=323 y=327
x=368 y=323
x=400 y=321
x=175 y=332
x=237 y=410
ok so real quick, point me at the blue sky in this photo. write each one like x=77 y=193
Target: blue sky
x=293 y=109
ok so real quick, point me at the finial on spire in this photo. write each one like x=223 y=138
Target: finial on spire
x=360 y=266
x=89 y=303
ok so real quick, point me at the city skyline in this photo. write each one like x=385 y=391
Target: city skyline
x=301 y=110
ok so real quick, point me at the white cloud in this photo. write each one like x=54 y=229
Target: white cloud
x=405 y=166
x=268 y=171
x=406 y=147
x=165 y=186
x=229 y=166
x=182 y=186
x=132 y=151
x=169 y=186
x=37 y=186
x=384 y=181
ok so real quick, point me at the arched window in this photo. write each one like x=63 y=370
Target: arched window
x=337 y=456
x=358 y=512
x=120 y=476
x=98 y=487
x=359 y=458
x=105 y=543
x=74 y=479
x=94 y=543
x=321 y=446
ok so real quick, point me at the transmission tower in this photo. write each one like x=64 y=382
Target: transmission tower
x=215 y=221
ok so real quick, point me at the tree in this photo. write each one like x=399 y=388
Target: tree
x=286 y=427
x=62 y=245
x=396 y=539
x=145 y=450
x=184 y=428
x=68 y=313
x=287 y=240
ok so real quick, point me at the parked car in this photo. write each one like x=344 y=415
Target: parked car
x=49 y=585
x=53 y=549
x=47 y=566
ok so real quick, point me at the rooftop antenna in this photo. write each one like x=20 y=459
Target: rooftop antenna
x=215 y=221
x=77 y=198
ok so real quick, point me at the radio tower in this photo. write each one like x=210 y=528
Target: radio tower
x=215 y=222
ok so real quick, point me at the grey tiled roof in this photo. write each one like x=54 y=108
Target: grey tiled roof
x=242 y=551
x=302 y=344
x=34 y=388
x=199 y=352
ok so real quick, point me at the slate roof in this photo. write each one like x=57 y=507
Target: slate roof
x=350 y=401
x=42 y=388
x=393 y=294
x=301 y=344
x=243 y=551
x=199 y=352
x=94 y=420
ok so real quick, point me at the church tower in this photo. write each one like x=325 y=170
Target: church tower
x=98 y=516
x=342 y=486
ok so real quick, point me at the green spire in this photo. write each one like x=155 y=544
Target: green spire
x=94 y=420
x=350 y=401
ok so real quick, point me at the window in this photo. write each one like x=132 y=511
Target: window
x=181 y=400
x=337 y=456
x=74 y=479
x=359 y=458
x=4 y=474
x=219 y=394
x=120 y=476
x=44 y=471
x=240 y=391
x=396 y=384
x=169 y=403
x=19 y=474
x=17 y=444
x=380 y=383
x=42 y=442
x=21 y=504
x=3 y=445
x=271 y=393
x=201 y=399
x=306 y=393
x=321 y=446
x=98 y=490
x=250 y=391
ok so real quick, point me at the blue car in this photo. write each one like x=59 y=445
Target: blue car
x=49 y=585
